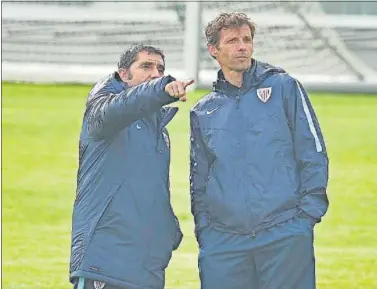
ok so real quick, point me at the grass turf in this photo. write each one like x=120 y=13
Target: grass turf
x=40 y=128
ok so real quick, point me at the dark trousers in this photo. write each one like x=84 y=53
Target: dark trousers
x=281 y=257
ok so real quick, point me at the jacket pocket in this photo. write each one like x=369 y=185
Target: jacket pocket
x=104 y=214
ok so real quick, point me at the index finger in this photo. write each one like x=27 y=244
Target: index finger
x=187 y=83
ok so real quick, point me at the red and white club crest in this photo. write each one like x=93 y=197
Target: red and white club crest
x=264 y=94
x=98 y=284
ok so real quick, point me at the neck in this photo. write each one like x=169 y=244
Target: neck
x=233 y=77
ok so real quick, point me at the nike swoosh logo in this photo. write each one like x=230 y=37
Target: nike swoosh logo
x=138 y=126
x=213 y=110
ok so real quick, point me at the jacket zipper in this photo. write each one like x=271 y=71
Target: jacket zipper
x=238 y=98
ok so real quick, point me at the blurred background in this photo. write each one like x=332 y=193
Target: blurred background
x=53 y=52
x=329 y=45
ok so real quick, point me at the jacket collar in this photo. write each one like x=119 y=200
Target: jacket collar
x=223 y=85
x=117 y=82
x=252 y=77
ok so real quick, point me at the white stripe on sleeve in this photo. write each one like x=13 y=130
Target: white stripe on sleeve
x=310 y=120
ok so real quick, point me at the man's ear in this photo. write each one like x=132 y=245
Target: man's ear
x=212 y=50
x=123 y=74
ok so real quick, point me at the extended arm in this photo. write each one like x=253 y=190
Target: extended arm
x=109 y=112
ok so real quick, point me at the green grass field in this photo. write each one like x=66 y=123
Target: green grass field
x=40 y=128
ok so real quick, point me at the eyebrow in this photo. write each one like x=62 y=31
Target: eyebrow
x=150 y=63
x=146 y=63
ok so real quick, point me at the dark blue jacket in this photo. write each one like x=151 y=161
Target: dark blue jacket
x=124 y=229
x=257 y=158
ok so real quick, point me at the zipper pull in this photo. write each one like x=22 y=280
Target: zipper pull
x=238 y=98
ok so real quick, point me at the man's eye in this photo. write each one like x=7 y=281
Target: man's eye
x=146 y=66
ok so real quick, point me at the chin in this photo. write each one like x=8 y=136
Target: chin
x=242 y=68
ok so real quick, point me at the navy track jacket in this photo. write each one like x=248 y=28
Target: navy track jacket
x=124 y=229
x=257 y=154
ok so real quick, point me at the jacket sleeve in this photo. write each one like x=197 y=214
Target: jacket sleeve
x=310 y=151
x=199 y=171
x=108 y=113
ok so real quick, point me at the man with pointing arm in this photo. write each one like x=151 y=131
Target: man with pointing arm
x=123 y=228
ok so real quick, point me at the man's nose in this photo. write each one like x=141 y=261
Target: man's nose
x=155 y=73
x=242 y=46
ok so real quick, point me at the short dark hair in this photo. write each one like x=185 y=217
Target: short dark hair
x=129 y=55
x=224 y=21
